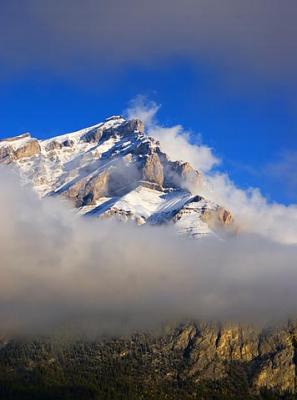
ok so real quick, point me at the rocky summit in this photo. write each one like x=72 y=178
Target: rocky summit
x=114 y=169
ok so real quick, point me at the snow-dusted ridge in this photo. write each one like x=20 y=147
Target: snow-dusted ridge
x=113 y=169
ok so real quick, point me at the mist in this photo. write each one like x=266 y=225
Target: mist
x=61 y=270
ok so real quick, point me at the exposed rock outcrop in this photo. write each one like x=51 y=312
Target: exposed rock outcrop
x=87 y=191
x=153 y=170
x=4 y=154
x=218 y=218
x=131 y=126
x=29 y=149
x=217 y=360
x=93 y=136
x=53 y=145
x=24 y=149
x=267 y=357
x=180 y=173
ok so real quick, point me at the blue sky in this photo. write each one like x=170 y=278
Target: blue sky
x=243 y=108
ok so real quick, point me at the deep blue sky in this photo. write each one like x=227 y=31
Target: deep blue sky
x=248 y=118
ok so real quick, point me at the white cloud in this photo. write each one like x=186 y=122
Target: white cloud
x=175 y=141
x=59 y=270
x=143 y=109
x=250 y=208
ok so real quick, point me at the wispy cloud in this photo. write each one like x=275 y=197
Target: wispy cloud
x=251 y=209
x=175 y=140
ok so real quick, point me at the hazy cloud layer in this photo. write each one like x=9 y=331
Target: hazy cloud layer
x=58 y=269
x=69 y=35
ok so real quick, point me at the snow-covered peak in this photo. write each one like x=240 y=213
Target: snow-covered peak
x=110 y=122
x=114 y=169
x=16 y=141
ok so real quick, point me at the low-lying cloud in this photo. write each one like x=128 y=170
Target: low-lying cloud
x=58 y=269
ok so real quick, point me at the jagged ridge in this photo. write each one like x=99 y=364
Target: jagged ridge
x=115 y=169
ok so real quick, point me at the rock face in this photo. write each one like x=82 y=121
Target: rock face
x=53 y=145
x=220 y=361
x=153 y=170
x=86 y=192
x=93 y=136
x=266 y=358
x=113 y=169
x=23 y=146
x=131 y=126
x=217 y=218
x=29 y=149
x=179 y=173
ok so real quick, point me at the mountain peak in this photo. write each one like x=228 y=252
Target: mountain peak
x=114 y=169
x=113 y=117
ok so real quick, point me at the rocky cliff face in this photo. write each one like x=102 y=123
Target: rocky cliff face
x=266 y=358
x=193 y=360
x=113 y=169
x=23 y=146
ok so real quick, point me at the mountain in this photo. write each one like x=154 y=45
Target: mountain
x=114 y=169
x=193 y=360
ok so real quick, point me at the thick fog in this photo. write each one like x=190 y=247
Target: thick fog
x=59 y=270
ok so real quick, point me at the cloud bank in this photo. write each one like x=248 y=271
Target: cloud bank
x=62 y=36
x=59 y=270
